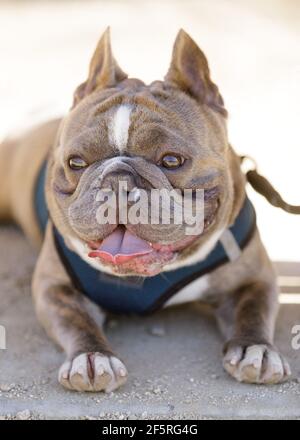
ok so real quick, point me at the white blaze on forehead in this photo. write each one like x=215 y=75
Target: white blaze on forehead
x=119 y=127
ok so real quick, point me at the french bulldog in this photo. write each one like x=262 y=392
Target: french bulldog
x=169 y=134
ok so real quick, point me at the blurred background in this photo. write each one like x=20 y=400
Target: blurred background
x=253 y=47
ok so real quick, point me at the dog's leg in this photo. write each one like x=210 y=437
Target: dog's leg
x=247 y=319
x=7 y=150
x=91 y=365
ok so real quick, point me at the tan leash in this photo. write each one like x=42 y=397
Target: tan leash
x=264 y=187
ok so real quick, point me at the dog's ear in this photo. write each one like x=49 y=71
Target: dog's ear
x=103 y=71
x=190 y=72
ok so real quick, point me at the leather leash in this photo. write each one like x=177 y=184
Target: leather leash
x=261 y=185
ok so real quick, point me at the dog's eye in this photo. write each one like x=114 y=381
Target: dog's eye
x=76 y=163
x=172 y=161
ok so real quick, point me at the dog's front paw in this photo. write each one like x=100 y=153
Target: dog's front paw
x=255 y=363
x=93 y=372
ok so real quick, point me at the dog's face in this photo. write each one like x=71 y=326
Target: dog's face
x=167 y=135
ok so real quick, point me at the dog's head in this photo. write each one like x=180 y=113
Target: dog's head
x=168 y=135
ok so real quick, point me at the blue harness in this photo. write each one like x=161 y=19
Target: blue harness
x=137 y=295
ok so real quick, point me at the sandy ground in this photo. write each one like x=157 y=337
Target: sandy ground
x=254 y=54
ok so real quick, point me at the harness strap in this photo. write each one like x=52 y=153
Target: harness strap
x=230 y=245
x=127 y=296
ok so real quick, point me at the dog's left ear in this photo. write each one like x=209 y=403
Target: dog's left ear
x=103 y=71
x=189 y=71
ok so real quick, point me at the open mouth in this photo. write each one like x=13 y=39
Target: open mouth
x=126 y=253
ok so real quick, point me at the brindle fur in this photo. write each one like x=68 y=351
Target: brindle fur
x=243 y=293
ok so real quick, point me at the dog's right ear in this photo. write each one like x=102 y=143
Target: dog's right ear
x=189 y=72
x=103 y=71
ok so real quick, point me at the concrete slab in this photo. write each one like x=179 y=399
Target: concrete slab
x=174 y=373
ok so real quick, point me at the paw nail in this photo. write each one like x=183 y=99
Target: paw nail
x=122 y=372
x=288 y=370
x=100 y=371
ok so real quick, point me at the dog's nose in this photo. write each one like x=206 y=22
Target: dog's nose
x=120 y=181
x=118 y=176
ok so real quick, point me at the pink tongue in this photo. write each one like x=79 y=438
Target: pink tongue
x=121 y=246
